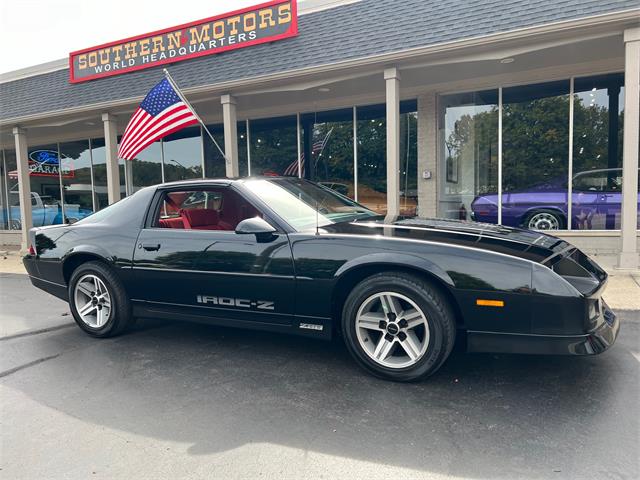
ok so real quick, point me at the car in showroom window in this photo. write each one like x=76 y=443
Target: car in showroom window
x=290 y=256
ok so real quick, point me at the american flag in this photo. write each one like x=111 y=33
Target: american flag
x=161 y=113
x=318 y=147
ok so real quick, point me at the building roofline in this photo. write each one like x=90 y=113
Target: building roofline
x=304 y=8
x=482 y=40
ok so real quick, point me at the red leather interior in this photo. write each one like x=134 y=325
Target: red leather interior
x=201 y=219
x=171 y=223
x=233 y=210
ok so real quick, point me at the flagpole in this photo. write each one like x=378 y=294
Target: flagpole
x=186 y=102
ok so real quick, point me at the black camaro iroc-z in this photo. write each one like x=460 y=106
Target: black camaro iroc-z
x=287 y=255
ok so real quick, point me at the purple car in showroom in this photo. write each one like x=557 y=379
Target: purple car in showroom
x=596 y=198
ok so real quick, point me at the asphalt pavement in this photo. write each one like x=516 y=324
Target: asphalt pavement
x=176 y=400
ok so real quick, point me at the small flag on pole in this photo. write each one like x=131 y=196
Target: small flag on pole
x=161 y=113
x=316 y=149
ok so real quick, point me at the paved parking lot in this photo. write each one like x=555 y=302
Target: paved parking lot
x=172 y=400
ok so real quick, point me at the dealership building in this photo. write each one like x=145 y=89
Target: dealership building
x=515 y=112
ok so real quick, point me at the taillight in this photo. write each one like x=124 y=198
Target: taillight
x=32 y=251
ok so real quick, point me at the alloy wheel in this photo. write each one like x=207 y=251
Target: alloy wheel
x=392 y=330
x=92 y=301
x=544 y=221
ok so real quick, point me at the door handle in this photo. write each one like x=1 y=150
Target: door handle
x=151 y=247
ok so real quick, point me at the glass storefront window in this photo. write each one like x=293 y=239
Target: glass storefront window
x=46 y=201
x=535 y=152
x=99 y=159
x=469 y=159
x=145 y=169
x=331 y=149
x=273 y=145
x=8 y=191
x=409 y=163
x=243 y=159
x=214 y=164
x=182 y=155
x=598 y=114
x=11 y=192
x=372 y=157
x=75 y=176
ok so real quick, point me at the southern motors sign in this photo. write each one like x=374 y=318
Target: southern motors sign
x=267 y=22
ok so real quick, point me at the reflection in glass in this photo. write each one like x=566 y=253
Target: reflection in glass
x=372 y=157
x=182 y=155
x=598 y=115
x=469 y=159
x=10 y=195
x=273 y=145
x=145 y=169
x=76 y=179
x=535 y=139
x=99 y=159
x=331 y=149
x=214 y=164
x=242 y=149
x=409 y=163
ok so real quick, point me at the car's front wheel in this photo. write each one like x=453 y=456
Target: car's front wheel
x=98 y=300
x=398 y=326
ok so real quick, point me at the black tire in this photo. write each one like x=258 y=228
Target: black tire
x=559 y=218
x=120 y=317
x=440 y=319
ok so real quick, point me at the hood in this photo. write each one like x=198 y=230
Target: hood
x=529 y=244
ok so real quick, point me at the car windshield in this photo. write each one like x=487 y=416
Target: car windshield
x=303 y=204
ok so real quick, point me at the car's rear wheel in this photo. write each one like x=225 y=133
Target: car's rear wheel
x=544 y=220
x=98 y=300
x=398 y=326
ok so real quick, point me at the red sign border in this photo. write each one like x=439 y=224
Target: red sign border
x=291 y=32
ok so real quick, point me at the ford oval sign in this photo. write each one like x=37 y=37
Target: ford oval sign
x=47 y=163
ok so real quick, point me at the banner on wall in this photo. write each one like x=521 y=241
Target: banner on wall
x=267 y=22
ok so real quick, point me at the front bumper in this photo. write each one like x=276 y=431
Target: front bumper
x=592 y=343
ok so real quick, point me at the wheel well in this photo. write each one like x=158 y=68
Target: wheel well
x=534 y=210
x=350 y=279
x=75 y=261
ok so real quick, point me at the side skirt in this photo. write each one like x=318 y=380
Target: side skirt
x=315 y=327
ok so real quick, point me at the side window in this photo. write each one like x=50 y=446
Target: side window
x=590 y=182
x=215 y=208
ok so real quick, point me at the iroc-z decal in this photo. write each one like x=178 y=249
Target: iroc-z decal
x=236 y=302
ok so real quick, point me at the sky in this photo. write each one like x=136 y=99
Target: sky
x=39 y=31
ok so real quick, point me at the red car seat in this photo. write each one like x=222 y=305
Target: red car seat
x=201 y=219
x=171 y=223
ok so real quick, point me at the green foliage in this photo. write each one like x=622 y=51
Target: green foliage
x=535 y=142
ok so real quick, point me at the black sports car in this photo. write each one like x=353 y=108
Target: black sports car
x=291 y=256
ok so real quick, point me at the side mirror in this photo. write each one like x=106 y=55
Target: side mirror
x=255 y=226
